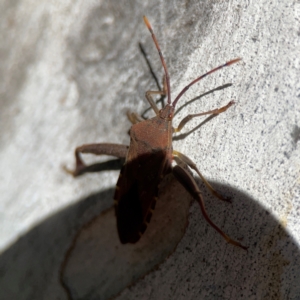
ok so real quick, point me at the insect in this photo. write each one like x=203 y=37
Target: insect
x=149 y=158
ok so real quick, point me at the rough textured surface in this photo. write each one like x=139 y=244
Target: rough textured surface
x=70 y=71
x=99 y=267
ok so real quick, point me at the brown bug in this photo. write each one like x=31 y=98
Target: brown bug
x=148 y=159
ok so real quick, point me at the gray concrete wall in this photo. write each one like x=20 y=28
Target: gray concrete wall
x=69 y=73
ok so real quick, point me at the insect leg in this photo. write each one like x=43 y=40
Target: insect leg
x=163 y=92
x=190 y=185
x=116 y=150
x=134 y=118
x=211 y=112
x=192 y=165
x=167 y=77
x=151 y=101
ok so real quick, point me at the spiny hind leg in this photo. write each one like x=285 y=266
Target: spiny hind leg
x=192 y=165
x=190 y=185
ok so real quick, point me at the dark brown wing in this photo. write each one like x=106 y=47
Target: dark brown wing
x=136 y=194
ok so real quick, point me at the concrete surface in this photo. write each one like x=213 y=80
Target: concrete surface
x=69 y=73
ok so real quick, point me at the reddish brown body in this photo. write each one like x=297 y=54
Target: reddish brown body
x=148 y=159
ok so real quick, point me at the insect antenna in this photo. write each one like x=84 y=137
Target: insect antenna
x=161 y=58
x=202 y=76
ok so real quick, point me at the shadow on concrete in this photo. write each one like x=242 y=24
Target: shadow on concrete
x=99 y=267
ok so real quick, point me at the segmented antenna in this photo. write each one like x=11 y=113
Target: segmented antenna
x=202 y=76
x=161 y=58
x=167 y=73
